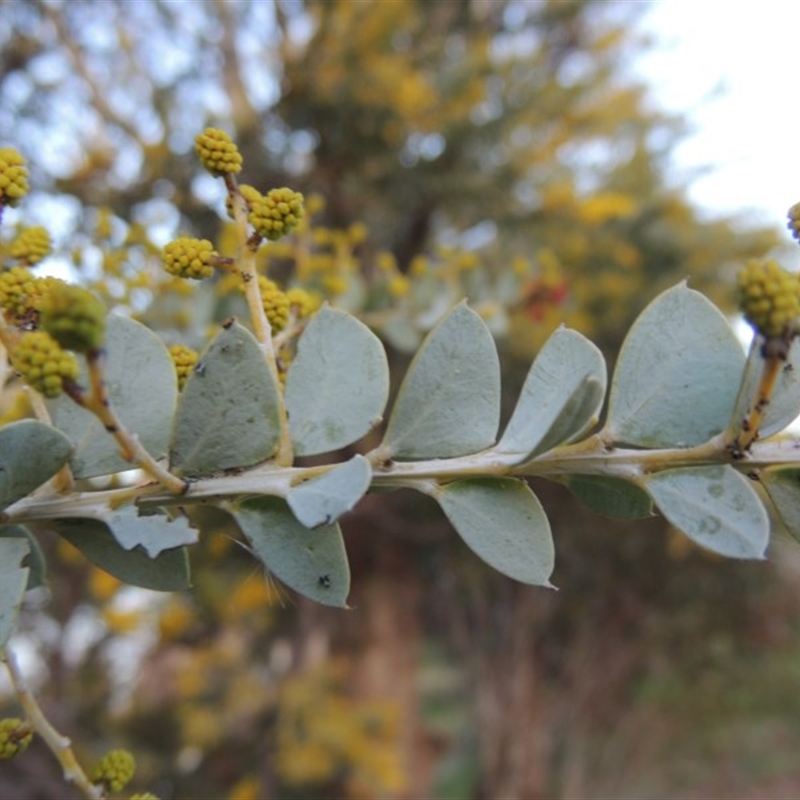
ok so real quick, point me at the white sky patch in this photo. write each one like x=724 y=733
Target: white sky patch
x=731 y=68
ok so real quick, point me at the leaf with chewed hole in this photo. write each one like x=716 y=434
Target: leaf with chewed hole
x=168 y=572
x=35 y=560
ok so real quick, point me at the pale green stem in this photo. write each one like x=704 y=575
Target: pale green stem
x=258 y=317
x=597 y=459
x=60 y=746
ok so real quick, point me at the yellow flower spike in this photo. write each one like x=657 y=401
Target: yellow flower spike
x=357 y=233
x=277 y=213
x=184 y=359
x=419 y=266
x=769 y=298
x=276 y=304
x=217 y=152
x=39 y=359
x=15 y=736
x=314 y=204
x=386 y=262
x=322 y=237
x=399 y=286
x=13 y=177
x=31 y=245
x=189 y=258
x=334 y=285
x=468 y=261
x=74 y=317
x=301 y=302
x=115 y=770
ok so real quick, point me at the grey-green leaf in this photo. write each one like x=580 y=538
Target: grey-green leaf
x=322 y=500
x=783 y=488
x=35 y=562
x=449 y=402
x=401 y=333
x=30 y=453
x=338 y=384
x=611 y=497
x=561 y=397
x=141 y=382
x=716 y=507
x=229 y=410
x=154 y=532
x=312 y=562
x=503 y=522
x=169 y=572
x=784 y=403
x=677 y=375
x=13 y=579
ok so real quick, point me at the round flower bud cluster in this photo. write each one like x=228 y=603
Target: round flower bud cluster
x=276 y=304
x=16 y=289
x=15 y=736
x=184 y=359
x=74 y=317
x=13 y=177
x=189 y=258
x=22 y=295
x=39 y=359
x=250 y=195
x=794 y=220
x=277 y=213
x=31 y=245
x=115 y=770
x=217 y=152
x=301 y=302
x=769 y=298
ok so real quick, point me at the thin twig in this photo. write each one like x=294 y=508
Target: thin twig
x=773 y=364
x=98 y=403
x=255 y=302
x=60 y=746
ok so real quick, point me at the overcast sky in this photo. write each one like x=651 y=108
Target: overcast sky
x=732 y=66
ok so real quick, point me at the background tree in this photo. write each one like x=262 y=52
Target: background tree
x=510 y=130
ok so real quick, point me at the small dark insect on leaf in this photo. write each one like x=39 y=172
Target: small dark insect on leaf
x=324 y=581
x=200 y=368
x=228 y=322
